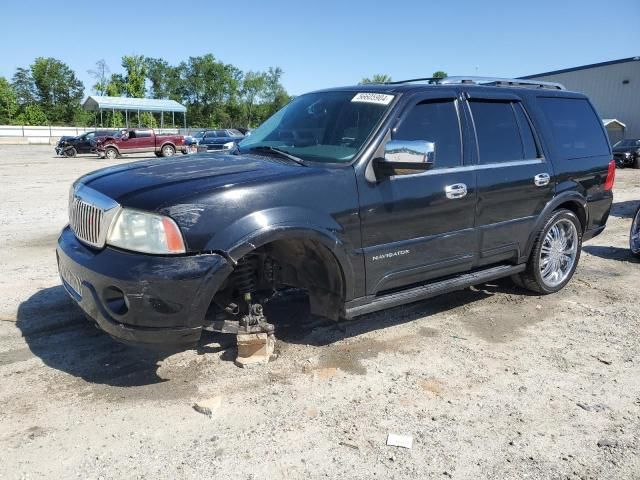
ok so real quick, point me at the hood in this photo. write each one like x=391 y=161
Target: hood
x=154 y=184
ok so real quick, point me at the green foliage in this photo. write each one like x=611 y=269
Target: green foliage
x=115 y=86
x=57 y=89
x=439 y=74
x=32 y=115
x=134 y=78
x=23 y=87
x=377 y=78
x=8 y=103
x=216 y=94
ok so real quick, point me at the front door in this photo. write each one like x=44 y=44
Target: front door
x=413 y=227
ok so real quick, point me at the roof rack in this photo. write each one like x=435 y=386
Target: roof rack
x=487 y=81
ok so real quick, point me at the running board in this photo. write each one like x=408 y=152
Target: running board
x=429 y=290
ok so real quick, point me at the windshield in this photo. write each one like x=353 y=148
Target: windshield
x=628 y=143
x=321 y=127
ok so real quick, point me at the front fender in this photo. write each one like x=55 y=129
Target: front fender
x=262 y=227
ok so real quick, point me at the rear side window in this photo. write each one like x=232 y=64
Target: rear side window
x=528 y=140
x=576 y=127
x=437 y=122
x=497 y=131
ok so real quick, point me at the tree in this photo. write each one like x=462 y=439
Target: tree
x=377 y=78
x=164 y=78
x=23 y=87
x=32 y=115
x=135 y=76
x=57 y=89
x=439 y=74
x=115 y=86
x=211 y=90
x=275 y=96
x=8 y=102
x=101 y=75
x=253 y=87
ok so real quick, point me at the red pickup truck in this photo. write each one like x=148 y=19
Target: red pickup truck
x=140 y=140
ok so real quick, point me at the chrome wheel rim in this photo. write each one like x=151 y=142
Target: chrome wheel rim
x=111 y=154
x=634 y=236
x=558 y=253
x=167 y=151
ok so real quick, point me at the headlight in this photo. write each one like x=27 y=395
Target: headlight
x=228 y=145
x=146 y=233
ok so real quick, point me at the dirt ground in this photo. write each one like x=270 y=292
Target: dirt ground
x=490 y=382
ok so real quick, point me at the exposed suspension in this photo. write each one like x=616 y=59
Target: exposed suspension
x=245 y=280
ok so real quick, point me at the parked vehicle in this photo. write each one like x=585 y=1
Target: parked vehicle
x=140 y=140
x=367 y=197
x=85 y=143
x=224 y=139
x=627 y=153
x=634 y=234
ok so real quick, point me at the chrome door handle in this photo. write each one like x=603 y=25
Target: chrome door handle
x=457 y=190
x=541 y=179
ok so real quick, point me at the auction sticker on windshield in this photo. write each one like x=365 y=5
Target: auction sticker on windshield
x=379 y=98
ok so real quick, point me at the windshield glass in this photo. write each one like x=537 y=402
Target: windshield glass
x=628 y=143
x=321 y=127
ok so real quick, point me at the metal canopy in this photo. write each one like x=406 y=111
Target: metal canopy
x=96 y=102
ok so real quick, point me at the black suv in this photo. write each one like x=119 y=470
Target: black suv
x=85 y=143
x=367 y=197
x=627 y=153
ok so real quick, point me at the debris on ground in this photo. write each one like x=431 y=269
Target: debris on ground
x=396 y=440
x=209 y=406
x=606 y=361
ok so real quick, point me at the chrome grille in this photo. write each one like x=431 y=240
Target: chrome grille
x=90 y=215
x=85 y=221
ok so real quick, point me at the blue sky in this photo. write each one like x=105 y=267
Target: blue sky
x=327 y=43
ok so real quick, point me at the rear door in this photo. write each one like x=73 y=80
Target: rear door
x=515 y=180
x=412 y=230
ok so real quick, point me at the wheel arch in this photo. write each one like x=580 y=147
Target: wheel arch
x=572 y=201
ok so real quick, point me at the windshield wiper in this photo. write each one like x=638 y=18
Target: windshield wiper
x=282 y=153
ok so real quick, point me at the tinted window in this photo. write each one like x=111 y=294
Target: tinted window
x=143 y=133
x=435 y=122
x=528 y=140
x=497 y=132
x=576 y=127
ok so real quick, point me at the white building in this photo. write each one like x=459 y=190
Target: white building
x=613 y=87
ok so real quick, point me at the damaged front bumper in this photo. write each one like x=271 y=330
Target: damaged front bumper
x=140 y=298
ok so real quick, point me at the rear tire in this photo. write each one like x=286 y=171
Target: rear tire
x=168 y=151
x=555 y=254
x=636 y=162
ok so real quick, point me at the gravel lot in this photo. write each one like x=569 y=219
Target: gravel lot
x=490 y=382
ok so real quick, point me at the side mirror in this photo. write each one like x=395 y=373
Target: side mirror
x=406 y=157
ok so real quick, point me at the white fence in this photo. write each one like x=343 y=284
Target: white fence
x=24 y=135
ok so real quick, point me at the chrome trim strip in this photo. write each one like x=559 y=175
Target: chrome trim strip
x=472 y=168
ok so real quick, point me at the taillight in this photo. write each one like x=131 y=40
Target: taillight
x=611 y=176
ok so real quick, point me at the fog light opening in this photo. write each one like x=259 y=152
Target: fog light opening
x=115 y=300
